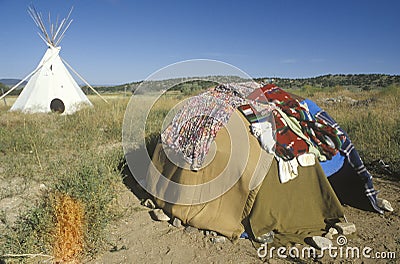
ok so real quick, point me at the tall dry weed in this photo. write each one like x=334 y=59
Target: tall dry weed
x=69 y=229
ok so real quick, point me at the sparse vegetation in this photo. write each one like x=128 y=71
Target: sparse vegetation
x=60 y=159
x=47 y=160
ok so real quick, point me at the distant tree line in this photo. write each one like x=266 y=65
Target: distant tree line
x=4 y=88
x=185 y=85
x=127 y=87
x=360 y=81
x=190 y=86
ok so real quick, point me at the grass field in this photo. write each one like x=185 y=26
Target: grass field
x=54 y=166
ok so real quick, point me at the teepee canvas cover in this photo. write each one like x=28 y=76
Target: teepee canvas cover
x=51 y=88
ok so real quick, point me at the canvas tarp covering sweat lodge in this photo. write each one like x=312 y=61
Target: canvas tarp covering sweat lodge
x=291 y=147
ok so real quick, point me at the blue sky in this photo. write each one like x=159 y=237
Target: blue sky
x=119 y=41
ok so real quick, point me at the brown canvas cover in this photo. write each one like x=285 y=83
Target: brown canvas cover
x=295 y=207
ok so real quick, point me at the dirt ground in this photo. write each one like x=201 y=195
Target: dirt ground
x=138 y=239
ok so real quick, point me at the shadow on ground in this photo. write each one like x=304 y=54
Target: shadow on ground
x=128 y=178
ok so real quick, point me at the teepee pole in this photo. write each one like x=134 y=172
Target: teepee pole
x=57 y=41
x=23 y=80
x=63 y=28
x=80 y=77
x=59 y=28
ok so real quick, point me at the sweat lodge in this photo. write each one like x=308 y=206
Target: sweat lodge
x=287 y=166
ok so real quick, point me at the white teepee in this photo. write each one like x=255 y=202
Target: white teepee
x=51 y=87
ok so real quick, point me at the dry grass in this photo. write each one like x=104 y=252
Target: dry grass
x=78 y=158
x=69 y=229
